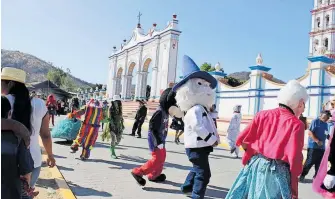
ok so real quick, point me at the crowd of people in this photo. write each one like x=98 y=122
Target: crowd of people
x=273 y=142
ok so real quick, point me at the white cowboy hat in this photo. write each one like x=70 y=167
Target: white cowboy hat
x=13 y=74
x=116 y=98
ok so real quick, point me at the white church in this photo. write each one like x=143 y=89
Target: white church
x=158 y=50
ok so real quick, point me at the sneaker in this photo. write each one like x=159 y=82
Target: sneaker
x=160 y=178
x=139 y=136
x=141 y=181
x=74 y=148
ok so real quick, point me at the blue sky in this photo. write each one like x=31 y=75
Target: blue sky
x=80 y=34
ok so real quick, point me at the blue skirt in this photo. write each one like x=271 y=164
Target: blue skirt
x=66 y=129
x=262 y=178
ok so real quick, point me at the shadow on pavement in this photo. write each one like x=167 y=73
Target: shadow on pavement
x=142 y=161
x=212 y=192
x=59 y=156
x=121 y=165
x=63 y=142
x=64 y=168
x=82 y=191
x=107 y=145
x=214 y=156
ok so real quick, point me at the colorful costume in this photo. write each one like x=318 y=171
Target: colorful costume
x=88 y=132
x=66 y=129
x=104 y=114
x=115 y=125
x=158 y=128
x=195 y=95
x=234 y=130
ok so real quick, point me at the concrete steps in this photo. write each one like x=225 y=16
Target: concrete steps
x=130 y=108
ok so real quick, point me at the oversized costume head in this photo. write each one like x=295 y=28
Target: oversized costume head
x=294 y=96
x=168 y=103
x=196 y=88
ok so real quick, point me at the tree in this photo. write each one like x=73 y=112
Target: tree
x=57 y=76
x=207 y=67
x=61 y=79
x=99 y=86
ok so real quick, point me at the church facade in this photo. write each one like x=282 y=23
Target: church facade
x=155 y=51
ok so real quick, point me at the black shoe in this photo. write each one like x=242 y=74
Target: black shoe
x=160 y=178
x=302 y=179
x=132 y=134
x=139 y=136
x=139 y=179
x=232 y=150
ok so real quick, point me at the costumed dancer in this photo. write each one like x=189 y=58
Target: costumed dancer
x=195 y=96
x=178 y=125
x=104 y=114
x=158 y=128
x=273 y=144
x=234 y=130
x=52 y=108
x=67 y=128
x=324 y=182
x=75 y=105
x=141 y=114
x=89 y=130
x=115 y=125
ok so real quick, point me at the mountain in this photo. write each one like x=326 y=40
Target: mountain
x=244 y=76
x=36 y=68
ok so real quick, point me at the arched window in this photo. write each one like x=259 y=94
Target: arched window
x=328 y=2
x=319 y=2
x=316 y=45
x=327 y=21
x=325 y=43
x=318 y=22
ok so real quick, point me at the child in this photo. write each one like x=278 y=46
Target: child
x=234 y=130
x=14 y=137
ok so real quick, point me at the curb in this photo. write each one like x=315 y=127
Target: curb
x=63 y=187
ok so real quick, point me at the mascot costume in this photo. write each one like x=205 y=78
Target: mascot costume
x=195 y=95
x=324 y=182
x=115 y=126
x=88 y=132
x=158 y=129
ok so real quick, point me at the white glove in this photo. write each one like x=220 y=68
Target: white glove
x=329 y=181
x=160 y=146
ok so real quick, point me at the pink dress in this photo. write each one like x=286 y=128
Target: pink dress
x=276 y=134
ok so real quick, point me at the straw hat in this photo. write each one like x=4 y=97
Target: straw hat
x=13 y=74
x=116 y=98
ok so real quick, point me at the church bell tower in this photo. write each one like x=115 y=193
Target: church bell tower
x=322 y=35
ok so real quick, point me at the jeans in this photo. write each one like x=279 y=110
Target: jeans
x=198 y=178
x=137 y=126
x=34 y=177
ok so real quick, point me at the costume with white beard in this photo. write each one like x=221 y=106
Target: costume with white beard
x=234 y=130
x=195 y=95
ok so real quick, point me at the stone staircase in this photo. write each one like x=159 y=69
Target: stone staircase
x=130 y=108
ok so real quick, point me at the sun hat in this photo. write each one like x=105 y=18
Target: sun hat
x=116 y=98
x=13 y=74
x=190 y=70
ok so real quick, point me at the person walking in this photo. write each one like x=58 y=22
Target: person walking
x=52 y=108
x=234 y=130
x=316 y=144
x=139 y=119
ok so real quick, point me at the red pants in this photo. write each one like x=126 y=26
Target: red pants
x=154 y=167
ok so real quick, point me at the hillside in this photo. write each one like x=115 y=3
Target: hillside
x=36 y=69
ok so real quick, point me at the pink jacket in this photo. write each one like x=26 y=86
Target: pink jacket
x=276 y=134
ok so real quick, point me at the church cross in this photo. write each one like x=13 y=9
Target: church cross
x=139 y=17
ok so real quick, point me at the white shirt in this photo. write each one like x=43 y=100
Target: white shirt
x=38 y=112
x=199 y=128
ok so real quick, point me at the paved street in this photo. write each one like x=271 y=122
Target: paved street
x=103 y=177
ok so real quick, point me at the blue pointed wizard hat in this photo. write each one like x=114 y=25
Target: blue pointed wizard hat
x=190 y=70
